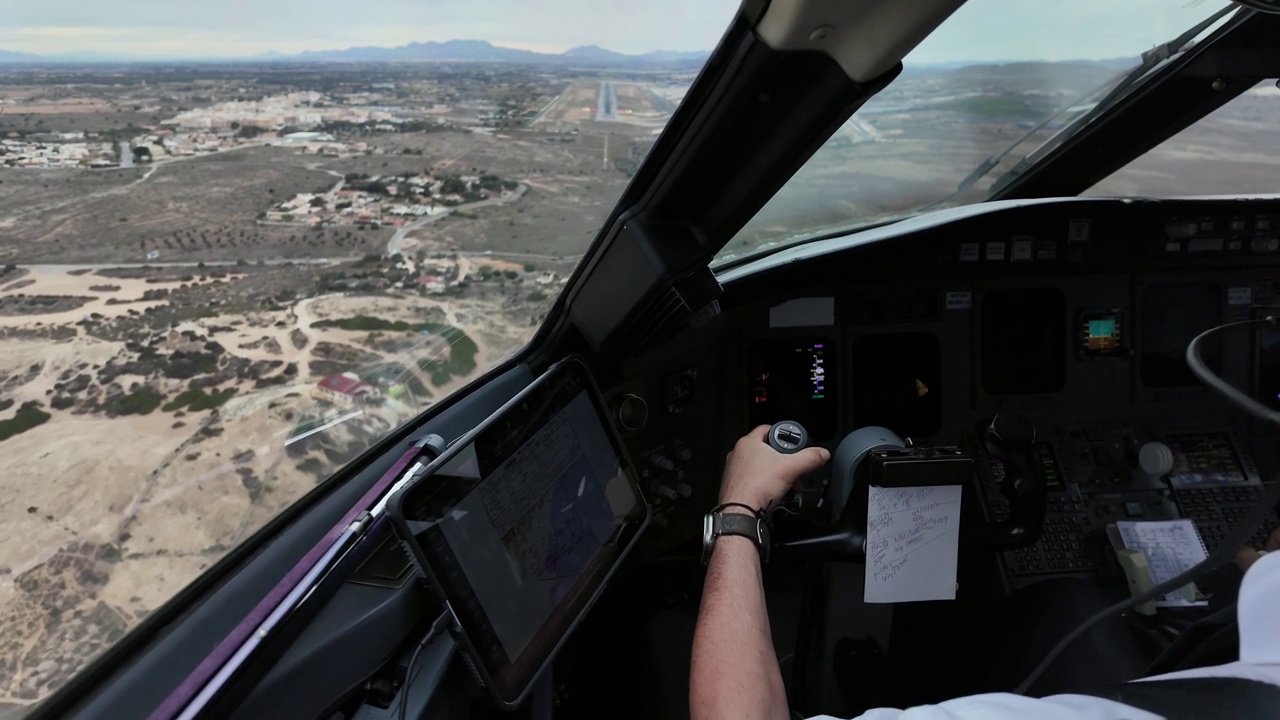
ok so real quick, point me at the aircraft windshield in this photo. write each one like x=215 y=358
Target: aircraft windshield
x=238 y=247
x=998 y=73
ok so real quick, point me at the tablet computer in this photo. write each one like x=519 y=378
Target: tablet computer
x=519 y=524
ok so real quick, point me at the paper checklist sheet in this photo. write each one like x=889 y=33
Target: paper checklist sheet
x=1171 y=547
x=913 y=536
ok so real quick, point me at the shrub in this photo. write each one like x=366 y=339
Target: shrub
x=22 y=421
x=196 y=399
x=142 y=401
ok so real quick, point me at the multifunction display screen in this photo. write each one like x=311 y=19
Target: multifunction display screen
x=793 y=379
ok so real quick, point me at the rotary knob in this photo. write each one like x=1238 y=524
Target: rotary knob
x=633 y=412
x=662 y=462
x=1155 y=459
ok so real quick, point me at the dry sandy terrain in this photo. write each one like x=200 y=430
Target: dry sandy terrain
x=46 y=280
x=108 y=517
x=63 y=105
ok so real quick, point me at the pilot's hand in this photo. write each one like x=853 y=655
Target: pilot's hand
x=1248 y=556
x=756 y=475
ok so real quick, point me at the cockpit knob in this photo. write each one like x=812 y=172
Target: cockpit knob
x=684 y=489
x=787 y=437
x=1155 y=459
x=633 y=412
x=1265 y=245
x=662 y=462
x=684 y=454
x=667 y=492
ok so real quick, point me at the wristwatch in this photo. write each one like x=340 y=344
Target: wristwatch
x=718 y=522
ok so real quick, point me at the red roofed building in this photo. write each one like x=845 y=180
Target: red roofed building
x=434 y=284
x=345 y=389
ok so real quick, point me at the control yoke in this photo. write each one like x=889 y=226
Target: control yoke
x=873 y=451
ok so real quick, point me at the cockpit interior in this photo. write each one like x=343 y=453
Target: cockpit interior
x=1054 y=322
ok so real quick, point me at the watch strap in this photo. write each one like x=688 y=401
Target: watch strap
x=722 y=506
x=748 y=526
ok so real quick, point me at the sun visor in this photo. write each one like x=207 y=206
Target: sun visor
x=865 y=37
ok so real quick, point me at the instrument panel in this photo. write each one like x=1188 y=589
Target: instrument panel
x=1074 y=313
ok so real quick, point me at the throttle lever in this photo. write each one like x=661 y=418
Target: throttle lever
x=788 y=437
x=1011 y=439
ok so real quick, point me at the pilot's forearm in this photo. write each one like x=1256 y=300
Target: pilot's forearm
x=735 y=669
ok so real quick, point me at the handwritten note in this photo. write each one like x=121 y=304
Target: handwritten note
x=913 y=534
x=1171 y=546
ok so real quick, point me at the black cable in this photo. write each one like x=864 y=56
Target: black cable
x=1244 y=531
x=437 y=626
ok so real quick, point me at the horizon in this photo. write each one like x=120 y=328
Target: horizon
x=303 y=53
x=147 y=30
x=307 y=56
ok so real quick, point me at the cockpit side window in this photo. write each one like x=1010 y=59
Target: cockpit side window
x=1221 y=154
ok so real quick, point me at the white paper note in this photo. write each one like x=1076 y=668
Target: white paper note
x=913 y=535
x=1171 y=546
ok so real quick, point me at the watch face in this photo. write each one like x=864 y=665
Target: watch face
x=708 y=537
x=766 y=546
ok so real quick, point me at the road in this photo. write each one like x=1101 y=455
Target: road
x=549 y=106
x=333 y=191
x=302 y=316
x=62 y=268
x=527 y=256
x=46 y=268
x=396 y=243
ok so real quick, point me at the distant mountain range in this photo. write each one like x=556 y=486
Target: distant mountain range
x=484 y=51
x=449 y=51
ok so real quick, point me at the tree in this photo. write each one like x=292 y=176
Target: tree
x=453 y=185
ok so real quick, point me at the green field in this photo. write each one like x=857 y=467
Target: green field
x=462 y=349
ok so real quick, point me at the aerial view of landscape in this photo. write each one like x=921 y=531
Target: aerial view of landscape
x=218 y=284
x=222 y=281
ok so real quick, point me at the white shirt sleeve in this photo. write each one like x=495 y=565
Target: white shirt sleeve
x=1007 y=706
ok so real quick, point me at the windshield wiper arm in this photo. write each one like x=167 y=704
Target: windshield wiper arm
x=1150 y=59
x=1121 y=84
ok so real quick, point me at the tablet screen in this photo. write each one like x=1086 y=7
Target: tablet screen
x=521 y=525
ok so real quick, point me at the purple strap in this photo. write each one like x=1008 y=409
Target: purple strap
x=184 y=693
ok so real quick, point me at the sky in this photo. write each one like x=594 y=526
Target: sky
x=982 y=30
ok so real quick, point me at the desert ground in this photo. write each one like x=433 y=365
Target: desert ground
x=104 y=532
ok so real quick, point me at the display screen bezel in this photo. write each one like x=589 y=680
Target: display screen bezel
x=508 y=682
